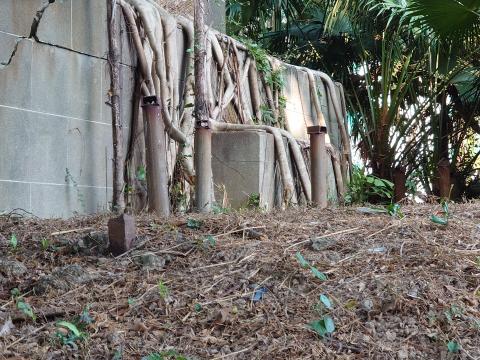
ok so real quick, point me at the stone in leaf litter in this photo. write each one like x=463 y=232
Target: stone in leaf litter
x=12 y=268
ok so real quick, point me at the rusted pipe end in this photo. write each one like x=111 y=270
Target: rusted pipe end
x=202 y=124
x=316 y=129
x=150 y=101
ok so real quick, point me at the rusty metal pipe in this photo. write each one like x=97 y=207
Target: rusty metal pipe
x=318 y=165
x=203 y=166
x=156 y=156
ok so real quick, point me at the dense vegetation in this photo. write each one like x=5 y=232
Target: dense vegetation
x=410 y=68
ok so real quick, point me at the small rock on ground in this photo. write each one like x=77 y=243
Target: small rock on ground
x=151 y=261
x=322 y=243
x=64 y=278
x=12 y=268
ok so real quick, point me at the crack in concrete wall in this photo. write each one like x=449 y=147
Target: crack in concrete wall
x=32 y=35
x=38 y=18
x=4 y=64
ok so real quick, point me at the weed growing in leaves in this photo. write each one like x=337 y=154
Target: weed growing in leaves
x=26 y=309
x=453 y=346
x=194 y=224
x=325 y=325
x=446 y=212
x=165 y=355
x=305 y=264
x=162 y=289
x=13 y=242
x=71 y=332
x=209 y=242
x=364 y=187
x=44 y=244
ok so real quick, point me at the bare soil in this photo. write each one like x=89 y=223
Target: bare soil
x=231 y=286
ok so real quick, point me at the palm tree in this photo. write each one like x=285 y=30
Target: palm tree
x=400 y=62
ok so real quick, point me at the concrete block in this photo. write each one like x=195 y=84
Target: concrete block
x=14 y=139
x=14 y=196
x=66 y=83
x=89 y=24
x=243 y=164
x=54 y=201
x=16 y=16
x=45 y=156
x=89 y=153
x=33 y=146
x=90 y=27
x=16 y=77
x=55 y=27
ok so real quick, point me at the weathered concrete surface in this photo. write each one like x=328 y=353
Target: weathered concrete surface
x=56 y=136
x=55 y=118
x=243 y=165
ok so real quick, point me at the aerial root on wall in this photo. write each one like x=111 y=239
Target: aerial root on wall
x=154 y=37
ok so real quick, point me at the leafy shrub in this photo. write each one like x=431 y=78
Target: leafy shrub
x=368 y=188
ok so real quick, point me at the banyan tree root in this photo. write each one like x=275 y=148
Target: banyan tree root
x=155 y=40
x=337 y=170
x=314 y=96
x=152 y=24
x=347 y=161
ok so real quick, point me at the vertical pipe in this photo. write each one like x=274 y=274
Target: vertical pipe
x=318 y=160
x=203 y=166
x=156 y=156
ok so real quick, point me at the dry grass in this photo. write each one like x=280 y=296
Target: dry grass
x=400 y=288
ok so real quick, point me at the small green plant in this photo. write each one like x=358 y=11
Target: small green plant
x=305 y=264
x=197 y=307
x=194 y=224
x=68 y=333
x=454 y=312
x=446 y=214
x=363 y=188
x=15 y=293
x=325 y=325
x=267 y=115
x=395 y=210
x=165 y=355
x=209 y=241
x=141 y=174
x=162 y=289
x=45 y=244
x=13 y=242
x=453 y=346
x=217 y=209
x=26 y=309
x=275 y=79
x=253 y=201
x=71 y=332
x=117 y=355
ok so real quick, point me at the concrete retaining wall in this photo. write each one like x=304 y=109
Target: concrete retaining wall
x=55 y=132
